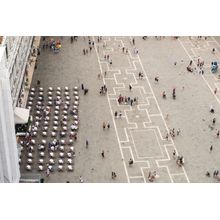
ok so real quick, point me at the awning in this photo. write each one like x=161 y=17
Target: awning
x=21 y=115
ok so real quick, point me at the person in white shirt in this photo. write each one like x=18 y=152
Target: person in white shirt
x=81 y=179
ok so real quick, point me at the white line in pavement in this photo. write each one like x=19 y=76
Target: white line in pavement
x=177 y=174
x=139 y=160
x=166 y=167
x=126 y=172
x=161 y=137
x=143 y=172
x=127 y=138
x=138 y=57
x=154 y=115
x=132 y=155
x=108 y=78
x=126 y=147
x=136 y=177
x=168 y=158
x=136 y=150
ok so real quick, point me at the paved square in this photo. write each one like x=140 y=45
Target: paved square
x=137 y=132
x=119 y=61
x=137 y=116
x=146 y=144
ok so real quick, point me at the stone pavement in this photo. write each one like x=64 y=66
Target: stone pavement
x=142 y=127
x=140 y=133
x=190 y=111
x=68 y=68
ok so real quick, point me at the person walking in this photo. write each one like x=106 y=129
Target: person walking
x=108 y=125
x=213 y=121
x=85 y=91
x=133 y=41
x=178 y=132
x=113 y=175
x=116 y=114
x=82 y=86
x=139 y=75
x=130 y=87
x=103 y=125
x=212 y=109
x=130 y=162
x=156 y=79
x=174 y=154
x=218 y=133
x=103 y=154
x=210 y=149
x=164 y=95
x=120 y=114
x=207 y=174
x=214 y=174
x=81 y=179
x=48 y=172
x=87 y=143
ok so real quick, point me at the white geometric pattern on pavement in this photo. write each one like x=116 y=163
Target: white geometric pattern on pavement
x=153 y=153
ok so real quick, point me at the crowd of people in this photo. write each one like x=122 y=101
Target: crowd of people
x=103 y=90
x=127 y=100
x=52 y=44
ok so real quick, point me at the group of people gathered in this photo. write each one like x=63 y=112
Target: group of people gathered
x=164 y=95
x=127 y=100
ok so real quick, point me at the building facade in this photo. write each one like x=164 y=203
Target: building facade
x=9 y=165
x=17 y=50
x=14 y=55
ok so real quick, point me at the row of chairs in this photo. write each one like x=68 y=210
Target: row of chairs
x=51 y=161
x=66 y=88
x=60 y=168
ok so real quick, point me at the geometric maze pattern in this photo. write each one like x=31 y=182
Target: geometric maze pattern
x=142 y=128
